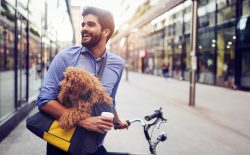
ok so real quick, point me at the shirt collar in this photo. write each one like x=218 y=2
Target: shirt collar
x=87 y=50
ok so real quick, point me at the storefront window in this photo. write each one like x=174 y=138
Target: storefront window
x=206 y=13
x=244 y=29
x=243 y=25
x=187 y=63
x=206 y=51
x=246 y=8
x=177 y=47
x=226 y=15
x=206 y=41
x=187 y=20
x=169 y=51
x=6 y=72
x=186 y=42
x=158 y=51
x=225 y=57
x=221 y=3
x=34 y=65
x=245 y=73
x=22 y=52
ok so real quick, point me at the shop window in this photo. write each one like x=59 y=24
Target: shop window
x=225 y=57
x=227 y=14
x=6 y=73
x=221 y=4
x=206 y=14
x=246 y=8
x=206 y=51
x=245 y=73
x=243 y=27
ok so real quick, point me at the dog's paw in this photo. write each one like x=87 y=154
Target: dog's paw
x=65 y=124
x=66 y=121
x=107 y=100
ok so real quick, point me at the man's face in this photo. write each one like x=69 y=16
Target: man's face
x=91 y=31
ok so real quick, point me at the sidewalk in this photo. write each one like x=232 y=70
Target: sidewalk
x=218 y=124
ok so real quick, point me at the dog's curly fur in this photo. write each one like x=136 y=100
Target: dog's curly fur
x=79 y=92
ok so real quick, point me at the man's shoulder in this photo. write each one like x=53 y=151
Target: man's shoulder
x=115 y=59
x=69 y=55
x=71 y=50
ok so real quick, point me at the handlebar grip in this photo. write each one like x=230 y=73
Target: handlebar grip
x=156 y=114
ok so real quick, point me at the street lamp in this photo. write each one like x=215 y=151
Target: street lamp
x=193 y=54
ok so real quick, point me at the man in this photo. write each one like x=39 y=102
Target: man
x=97 y=28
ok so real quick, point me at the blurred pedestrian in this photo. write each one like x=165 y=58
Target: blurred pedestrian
x=97 y=28
x=165 y=69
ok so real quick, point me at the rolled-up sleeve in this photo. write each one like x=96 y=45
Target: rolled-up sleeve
x=51 y=83
x=114 y=91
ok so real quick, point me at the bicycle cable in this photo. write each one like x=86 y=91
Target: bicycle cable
x=158 y=127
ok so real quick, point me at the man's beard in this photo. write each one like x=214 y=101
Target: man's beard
x=95 y=39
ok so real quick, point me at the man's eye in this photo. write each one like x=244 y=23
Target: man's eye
x=88 y=24
x=91 y=24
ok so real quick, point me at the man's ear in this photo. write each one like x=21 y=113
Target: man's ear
x=106 y=32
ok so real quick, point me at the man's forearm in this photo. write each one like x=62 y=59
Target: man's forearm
x=53 y=108
x=98 y=124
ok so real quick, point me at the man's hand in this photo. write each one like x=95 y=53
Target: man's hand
x=98 y=124
x=121 y=124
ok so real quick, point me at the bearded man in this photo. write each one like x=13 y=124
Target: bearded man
x=97 y=28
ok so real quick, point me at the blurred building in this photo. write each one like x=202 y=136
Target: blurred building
x=28 y=41
x=160 y=31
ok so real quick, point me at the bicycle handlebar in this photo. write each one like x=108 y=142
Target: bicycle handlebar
x=156 y=114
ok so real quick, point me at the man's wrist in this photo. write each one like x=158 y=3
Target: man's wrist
x=116 y=122
x=80 y=123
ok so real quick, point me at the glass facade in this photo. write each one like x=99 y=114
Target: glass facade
x=21 y=60
x=206 y=51
x=19 y=83
x=28 y=43
x=223 y=47
x=6 y=74
x=243 y=31
x=7 y=63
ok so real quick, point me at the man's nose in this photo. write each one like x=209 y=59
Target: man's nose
x=85 y=27
x=84 y=31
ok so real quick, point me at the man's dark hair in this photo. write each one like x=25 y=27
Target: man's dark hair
x=105 y=18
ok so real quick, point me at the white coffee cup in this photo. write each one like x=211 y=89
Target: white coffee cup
x=108 y=114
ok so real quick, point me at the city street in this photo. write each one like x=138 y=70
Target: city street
x=219 y=124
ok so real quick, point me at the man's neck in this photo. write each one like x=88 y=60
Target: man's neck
x=98 y=51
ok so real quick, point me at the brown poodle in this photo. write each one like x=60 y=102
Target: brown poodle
x=79 y=92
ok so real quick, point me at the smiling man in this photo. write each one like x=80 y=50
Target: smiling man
x=97 y=28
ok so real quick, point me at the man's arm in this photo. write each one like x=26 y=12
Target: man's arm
x=54 y=108
x=119 y=124
x=96 y=124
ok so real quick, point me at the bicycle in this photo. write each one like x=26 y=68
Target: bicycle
x=159 y=118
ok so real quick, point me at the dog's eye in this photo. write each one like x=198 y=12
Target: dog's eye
x=86 y=96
